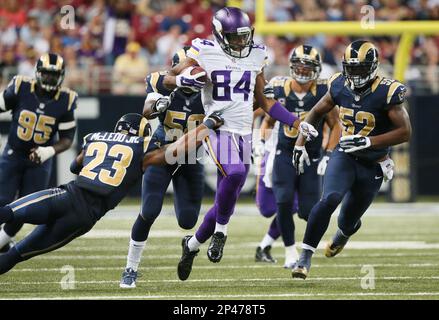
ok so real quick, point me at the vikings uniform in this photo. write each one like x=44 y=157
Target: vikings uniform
x=112 y=164
x=230 y=90
x=35 y=122
x=184 y=113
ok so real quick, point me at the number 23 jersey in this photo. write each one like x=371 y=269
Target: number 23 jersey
x=366 y=114
x=231 y=83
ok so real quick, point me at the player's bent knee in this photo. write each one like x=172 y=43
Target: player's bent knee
x=267 y=210
x=333 y=199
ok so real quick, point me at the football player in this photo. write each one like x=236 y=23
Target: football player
x=40 y=109
x=234 y=67
x=109 y=164
x=374 y=119
x=299 y=93
x=177 y=111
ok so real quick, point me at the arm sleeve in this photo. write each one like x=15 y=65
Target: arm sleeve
x=67 y=125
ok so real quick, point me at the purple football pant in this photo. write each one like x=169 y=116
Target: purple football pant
x=232 y=155
x=266 y=201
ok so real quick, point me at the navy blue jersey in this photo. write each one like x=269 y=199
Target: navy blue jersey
x=112 y=164
x=184 y=113
x=300 y=107
x=366 y=114
x=35 y=119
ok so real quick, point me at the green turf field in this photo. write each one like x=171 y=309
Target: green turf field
x=402 y=251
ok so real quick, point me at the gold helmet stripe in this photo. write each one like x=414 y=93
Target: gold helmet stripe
x=142 y=126
x=314 y=53
x=46 y=61
x=181 y=55
x=59 y=62
x=362 y=51
x=299 y=51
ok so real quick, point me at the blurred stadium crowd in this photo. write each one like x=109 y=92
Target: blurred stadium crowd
x=115 y=43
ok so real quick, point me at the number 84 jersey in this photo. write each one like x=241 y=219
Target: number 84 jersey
x=231 y=83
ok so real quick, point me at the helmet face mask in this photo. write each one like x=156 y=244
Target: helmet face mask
x=133 y=124
x=360 y=63
x=233 y=32
x=305 y=64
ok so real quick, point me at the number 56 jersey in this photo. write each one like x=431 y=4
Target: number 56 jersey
x=231 y=83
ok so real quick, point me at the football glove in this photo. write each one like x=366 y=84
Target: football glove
x=300 y=157
x=308 y=131
x=41 y=154
x=161 y=104
x=269 y=91
x=387 y=168
x=214 y=120
x=188 y=80
x=321 y=168
x=354 y=143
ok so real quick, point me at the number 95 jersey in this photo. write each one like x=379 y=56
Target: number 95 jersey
x=35 y=122
x=231 y=83
x=366 y=114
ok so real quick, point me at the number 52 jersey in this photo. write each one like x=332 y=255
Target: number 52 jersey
x=230 y=88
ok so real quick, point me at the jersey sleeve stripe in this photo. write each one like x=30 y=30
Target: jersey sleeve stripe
x=18 y=81
x=392 y=90
x=154 y=79
x=66 y=125
x=194 y=51
x=2 y=102
x=72 y=96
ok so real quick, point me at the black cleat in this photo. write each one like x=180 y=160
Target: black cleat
x=216 y=246
x=264 y=255
x=187 y=259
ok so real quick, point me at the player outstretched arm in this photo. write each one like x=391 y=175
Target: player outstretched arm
x=187 y=142
x=277 y=111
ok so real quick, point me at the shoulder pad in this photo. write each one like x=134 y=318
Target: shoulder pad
x=18 y=80
x=395 y=91
x=335 y=76
x=72 y=96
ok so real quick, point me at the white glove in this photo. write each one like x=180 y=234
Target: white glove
x=259 y=148
x=321 y=168
x=300 y=157
x=269 y=91
x=41 y=154
x=308 y=131
x=188 y=80
x=354 y=143
x=387 y=168
x=161 y=104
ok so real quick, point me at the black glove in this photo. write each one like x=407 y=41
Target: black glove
x=214 y=120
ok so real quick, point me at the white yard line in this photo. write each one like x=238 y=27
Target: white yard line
x=237 y=296
x=219 y=267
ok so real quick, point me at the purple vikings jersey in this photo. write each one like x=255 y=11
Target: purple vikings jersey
x=35 y=122
x=366 y=114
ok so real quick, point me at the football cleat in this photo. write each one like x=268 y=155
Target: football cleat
x=331 y=249
x=187 y=259
x=301 y=270
x=264 y=255
x=128 y=280
x=216 y=246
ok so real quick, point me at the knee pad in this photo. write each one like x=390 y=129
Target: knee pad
x=267 y=210
x=187 y=219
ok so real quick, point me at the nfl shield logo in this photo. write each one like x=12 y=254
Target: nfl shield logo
x=41 y=106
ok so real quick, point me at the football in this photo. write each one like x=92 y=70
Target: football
x=198 y=69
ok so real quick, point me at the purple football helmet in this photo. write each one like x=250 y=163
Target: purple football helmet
x=233 y=30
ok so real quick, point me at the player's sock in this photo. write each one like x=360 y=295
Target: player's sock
x=4 y=238
x=9 y=260
x=291 y=256
x=221 y=228
x=135 y=254
x=266 y=241
x=193 y=244
x=285 y=222
x=6 y=214
x=274 y=229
